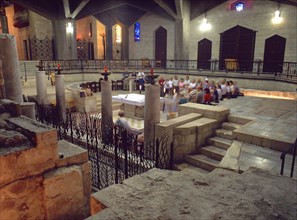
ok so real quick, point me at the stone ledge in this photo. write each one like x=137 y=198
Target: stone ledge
x=72 y=154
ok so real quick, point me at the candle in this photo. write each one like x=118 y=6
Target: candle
x=173 y=91
x=140 y=87
x=164 y=89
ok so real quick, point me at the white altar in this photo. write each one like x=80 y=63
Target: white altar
x=133 y=104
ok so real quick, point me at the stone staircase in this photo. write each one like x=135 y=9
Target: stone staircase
x=210 y=156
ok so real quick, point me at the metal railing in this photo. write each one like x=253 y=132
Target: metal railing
x=286 y=71
x=114 y=153
x=292 y=150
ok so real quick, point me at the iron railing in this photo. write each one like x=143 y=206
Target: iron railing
x=115 y=154
x=292 y=150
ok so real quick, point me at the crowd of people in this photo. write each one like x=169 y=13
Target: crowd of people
x=180 y=91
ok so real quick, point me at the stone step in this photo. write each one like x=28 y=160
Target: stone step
x=182 y=166
x=239 y=119
x=223 y=133
x=231 y=126
x=202 y=161
x=213 y=152
x=219 y=142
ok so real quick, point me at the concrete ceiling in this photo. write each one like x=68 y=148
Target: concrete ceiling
x=125 y=12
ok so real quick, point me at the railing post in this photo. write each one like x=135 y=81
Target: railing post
x=125 y=145
x=157 y=152
x=116 y=159
x=293 y=160
x=283 y=158
x=171 y=156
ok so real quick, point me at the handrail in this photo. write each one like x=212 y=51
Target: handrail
x=283 y=158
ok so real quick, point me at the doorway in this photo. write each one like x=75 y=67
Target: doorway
x=204 y=54
x=161 y=46
x=274 y=53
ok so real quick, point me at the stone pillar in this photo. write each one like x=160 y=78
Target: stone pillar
x=3 y=18
x=65 y=43
x=131 y=84
x=125 y=43
x=60 y=95
x=182 y=31
x=41 y=87
x=2 y=89
x=106 y=111
x=108 y=44
x=10 y=68
x=151 y=111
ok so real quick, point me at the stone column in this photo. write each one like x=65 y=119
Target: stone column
x=131 y=84
x=65 y=43
x=60 y=95
x=106 y=112
x=108 y=44
x=2 y=89
x=3 y=18
x=182 y=30
x=10 y=68
x=151 y=111
x=41 y=87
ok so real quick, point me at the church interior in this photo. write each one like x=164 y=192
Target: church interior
x=153 y=109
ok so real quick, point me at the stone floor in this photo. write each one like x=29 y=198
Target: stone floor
x=188 y=194
x=273 y=118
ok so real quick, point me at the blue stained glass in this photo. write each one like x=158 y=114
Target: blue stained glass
x=137 y=31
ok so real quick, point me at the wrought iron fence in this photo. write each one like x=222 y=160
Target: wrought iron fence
x=114 y=154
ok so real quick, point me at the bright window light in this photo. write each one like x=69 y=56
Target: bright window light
x=239 y=6
x=118 y=33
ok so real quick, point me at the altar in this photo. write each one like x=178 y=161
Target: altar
x=133 y=104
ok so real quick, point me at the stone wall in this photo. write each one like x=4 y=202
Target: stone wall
x=35 y=183
x=257 y=18
x=145 y=48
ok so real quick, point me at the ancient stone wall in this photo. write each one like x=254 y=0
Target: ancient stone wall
x=35 y=182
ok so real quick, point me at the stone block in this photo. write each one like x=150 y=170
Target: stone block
x=64 y=194
x=231 y=159
x=22 y=199
x=86 y=169
x=31 y=161
x=72 y=154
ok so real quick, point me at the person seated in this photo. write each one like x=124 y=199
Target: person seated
x=192 y=94
x=200 y=95
x=215 y=95
x=192 y=84
x=182 y=99
x=123 y=123
x=181 y=84
x=187 y=81
x=207 y=96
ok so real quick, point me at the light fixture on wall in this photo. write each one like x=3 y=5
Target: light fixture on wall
x=277 y=19
x=205 y=26
x=69 y=28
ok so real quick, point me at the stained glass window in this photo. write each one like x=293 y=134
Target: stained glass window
x=137 y=31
